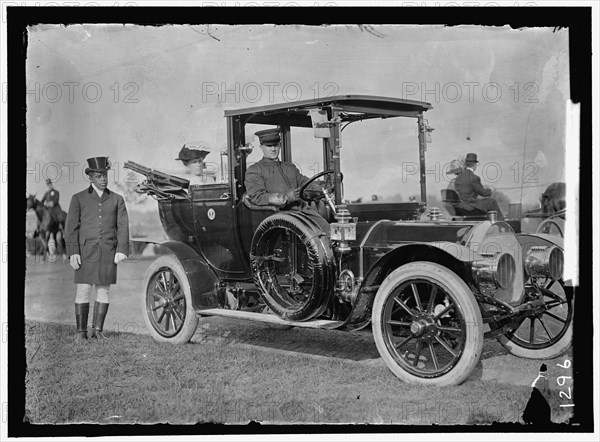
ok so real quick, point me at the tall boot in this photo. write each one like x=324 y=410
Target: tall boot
x=81 y=318
x=100 y=310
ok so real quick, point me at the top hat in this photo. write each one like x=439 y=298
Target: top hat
x=268 y=137
x=471 y=158
x=192 y=151
x=97 y=164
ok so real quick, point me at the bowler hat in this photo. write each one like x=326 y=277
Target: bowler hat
x=471 y=158
x=97 y=164
x=193 y=152
x=268 y=137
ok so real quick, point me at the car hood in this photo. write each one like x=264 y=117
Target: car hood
x=394 y=233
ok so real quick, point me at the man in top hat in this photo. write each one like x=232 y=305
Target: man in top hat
x=97 y=238
x=271 y=182
x=50 y=200
x=192 y=156
x=468 y=186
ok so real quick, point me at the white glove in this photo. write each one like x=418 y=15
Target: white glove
x=75 y=261
x=119 y=257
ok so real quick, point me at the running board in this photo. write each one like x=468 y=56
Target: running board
x=270 y=318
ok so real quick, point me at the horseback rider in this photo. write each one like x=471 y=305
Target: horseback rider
x=50 y=200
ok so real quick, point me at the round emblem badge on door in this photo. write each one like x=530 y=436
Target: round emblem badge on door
x=211 y=214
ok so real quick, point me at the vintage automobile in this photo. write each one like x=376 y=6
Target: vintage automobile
x=431 y=290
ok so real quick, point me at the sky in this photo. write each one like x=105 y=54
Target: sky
x=140 y=92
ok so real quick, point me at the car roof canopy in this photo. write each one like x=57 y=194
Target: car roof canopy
x=351 y=108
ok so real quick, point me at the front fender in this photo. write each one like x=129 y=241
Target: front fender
x=200 y=276
x=527 y=240
x=454 y=256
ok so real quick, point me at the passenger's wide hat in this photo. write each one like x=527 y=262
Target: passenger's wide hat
x=193 y=152
x=455 y=167
x=97 y=164
x=471 y=158
x=268 y=136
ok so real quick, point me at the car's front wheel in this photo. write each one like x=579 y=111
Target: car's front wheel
x=548 y=333
x=427 y=325
x=167 y=302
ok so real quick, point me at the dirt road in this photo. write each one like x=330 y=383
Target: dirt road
x=50 y=293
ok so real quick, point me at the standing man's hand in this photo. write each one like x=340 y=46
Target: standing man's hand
x=75 y=261
x=119 y=257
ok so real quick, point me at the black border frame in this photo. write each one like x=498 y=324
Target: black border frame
x=577 y=19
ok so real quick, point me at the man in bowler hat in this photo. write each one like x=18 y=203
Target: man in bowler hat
x=97 y=239
x=469 y=188
x=271 y=182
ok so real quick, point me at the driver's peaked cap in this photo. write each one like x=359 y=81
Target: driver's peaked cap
x=268 y=136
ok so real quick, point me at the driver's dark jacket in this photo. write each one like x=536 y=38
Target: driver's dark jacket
x=271 y=176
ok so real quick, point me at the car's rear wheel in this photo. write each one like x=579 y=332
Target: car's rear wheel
x=167 y=302
x=292 y=267
x=427 y=325
x=546 y=334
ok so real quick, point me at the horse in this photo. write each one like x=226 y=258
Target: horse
x=48 y=229
x=553 y=200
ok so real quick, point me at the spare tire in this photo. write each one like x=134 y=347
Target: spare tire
x=293 y=265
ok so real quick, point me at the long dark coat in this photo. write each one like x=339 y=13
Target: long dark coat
x=469 y=188
x=96 y=229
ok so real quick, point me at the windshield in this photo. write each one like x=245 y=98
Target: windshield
x=307 y=151
x=380 y=160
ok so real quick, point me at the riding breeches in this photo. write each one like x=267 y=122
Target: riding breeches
x=84 y=291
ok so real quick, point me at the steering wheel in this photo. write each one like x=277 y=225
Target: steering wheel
x=306 y=197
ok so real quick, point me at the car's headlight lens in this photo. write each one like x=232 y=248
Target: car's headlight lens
x=494 y=271
x=544 y=262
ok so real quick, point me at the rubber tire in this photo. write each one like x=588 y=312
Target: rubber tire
x=466 y=302
x=554 y=351
x=330 y=267
x=309 y=236
x=190 y=323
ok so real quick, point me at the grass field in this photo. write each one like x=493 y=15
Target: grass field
x=133 y=379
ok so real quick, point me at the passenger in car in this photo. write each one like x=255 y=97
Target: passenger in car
x=272 y=182
x=456 y=167
x=192 y=155
x=468 y=186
